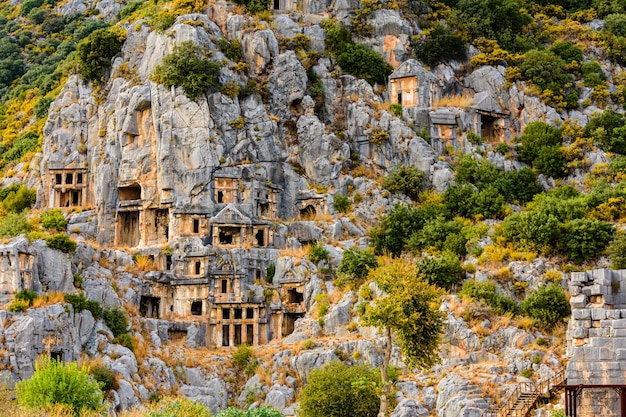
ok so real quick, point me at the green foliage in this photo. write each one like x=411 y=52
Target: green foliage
x=441 y=234
x=28 y=296
x=609 y=131
x=395 y=229
x=357 y=263
x=59 y=383
x=125 y=340
x=443 y=272
x=341 y=203
x=408 y=308
x=180 y=407
x=339 y=390
x=105 y=377
x=593 y=75
x=547 y=305
x=396 y=109
x=95 y=52
x=405 y=179
x=232 y=49
x=617 y=252
x=501 y=20
x=441 y=46
x=485 y=291
x=62 y=242
x=584 y=239
x=116 y=321
x=264 y=411
x=615 y=24
x=255 y=6
x=363 y=62
x=21 y=199
x=18 y=306
x=80 y=303
x=189 y=68
x=129 y=9
x=53 y=219
x=24 y=143
x=244 y=359
x=536 y=229
x=317 y=253
x=15 y=224
x=541 y=147
x=271 y=270
x=522 y=185
x=567 y=51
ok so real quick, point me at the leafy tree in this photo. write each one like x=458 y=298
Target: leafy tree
x=584 y=239
x=339 y=390
x=442 y=45
x=456 y=199
x=95 y=52
x=405 y=179
x=444 y=271
x=494 y=19
x=363 y=62
x=522 y=185
x=409 y=309
x=55 y=382
x=541 y=147
x=547 y=305
x=396 y=228
x=441 y=234
x=189 y=68
x=357 y=263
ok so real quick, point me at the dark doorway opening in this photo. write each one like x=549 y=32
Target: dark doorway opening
x=196 y=308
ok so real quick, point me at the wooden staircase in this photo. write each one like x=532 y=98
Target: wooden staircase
x=525 y=397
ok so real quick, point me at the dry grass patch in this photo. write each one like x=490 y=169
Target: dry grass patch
x=48 y=299
x=455 y=100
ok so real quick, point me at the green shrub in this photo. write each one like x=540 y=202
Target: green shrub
x=436 y=233
x=363 y=62
x=341 y=203
x=443 y=272
x=615 y=24
x=116 y=321
x=105 y=377
x=125 y=340
x=15 y=224
x=485 y=291
x=59 y=383
x=487 y=203
x=547 y=305
x=255 y=6
x=584 y=239
x=80 y=303
x=317 y=253
x=189 y=68
x=593 y=75
x=232 y=49
x=395 y=229
x=24 y=143
x=29 y=5
x=396 y=109
x=18 y=306
x=441 y=46
x=62 y=242
x=27 y=296
x=244 y=359
x=567 y=51
x=541 y=147
x=271 y=270
x=522 y=185
x=533 y=230
x=609 y=131
x=617 y=252
x=357 y=263
x=405 y=179
x=180 y=407
x=129 y=9
x=264 y=411
x=341 y=391
x=20 y=200
x=53 y=219
x=95 y=52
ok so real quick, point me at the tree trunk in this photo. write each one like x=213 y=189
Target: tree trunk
x=384 y=377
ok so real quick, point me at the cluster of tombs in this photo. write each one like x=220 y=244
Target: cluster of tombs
x=211 y=264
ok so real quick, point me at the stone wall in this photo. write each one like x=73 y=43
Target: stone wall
x=596 y=339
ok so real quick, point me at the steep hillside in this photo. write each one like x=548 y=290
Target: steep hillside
x=183 y=178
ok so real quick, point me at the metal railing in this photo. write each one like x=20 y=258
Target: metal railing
x=524 y=397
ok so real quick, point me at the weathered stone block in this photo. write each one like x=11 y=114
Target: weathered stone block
x=619 y=324
x=620 y=354
x=579 y=301
x=618 y=332
x=579 y=333
x=574 y=290
x=601 y=276
x=598 y=313
x=579 y=314
x=580 y=277
x=613 y=314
